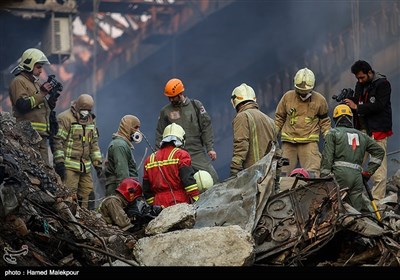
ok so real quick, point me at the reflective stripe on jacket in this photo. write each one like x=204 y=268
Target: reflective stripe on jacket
x=76 y=145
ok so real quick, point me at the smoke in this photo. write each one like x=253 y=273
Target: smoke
x=256 y=42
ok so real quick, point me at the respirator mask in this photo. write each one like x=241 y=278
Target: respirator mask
x=137 y=137
x=84 y=114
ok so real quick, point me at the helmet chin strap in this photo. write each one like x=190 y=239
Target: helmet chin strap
x=305 y=97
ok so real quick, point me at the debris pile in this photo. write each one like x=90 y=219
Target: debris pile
x=242 y=221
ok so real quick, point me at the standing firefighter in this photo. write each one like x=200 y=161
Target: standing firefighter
x=343 y=156
x=76 y=148
x=193 y=118
x=301 y=115
x=120 y=163
x=30 y=100
x=168 y=173
x=252 y=129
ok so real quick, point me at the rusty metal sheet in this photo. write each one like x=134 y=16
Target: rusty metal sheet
x=297 y=217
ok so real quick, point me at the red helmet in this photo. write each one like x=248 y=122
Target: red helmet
x=301 y=172
x=130 y=189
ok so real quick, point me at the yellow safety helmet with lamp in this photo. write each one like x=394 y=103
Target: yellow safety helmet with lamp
x=341 y=110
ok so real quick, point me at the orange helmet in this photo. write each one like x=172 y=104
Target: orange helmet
x=173 y=87
x=300 y=172
x=130 y=189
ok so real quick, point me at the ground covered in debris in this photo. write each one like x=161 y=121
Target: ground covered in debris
x=243 y=221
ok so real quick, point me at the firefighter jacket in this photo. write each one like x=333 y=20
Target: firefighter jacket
x=29 y=103
x=345 y=147
x=302 y=121
x=194 y=119
x=374 y=111
x=76 y=144
x=112 y=208
x=168 y=177
x=252 y=132
x=120 y=162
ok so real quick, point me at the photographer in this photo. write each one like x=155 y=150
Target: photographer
x=30 y=100
x=372 y=111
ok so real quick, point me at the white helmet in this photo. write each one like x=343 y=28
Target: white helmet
x=242 y=93
x=174 y=133
x=29 y=58
x=204 y=180
x=304 y=81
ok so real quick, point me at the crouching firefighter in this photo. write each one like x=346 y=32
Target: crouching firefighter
x=128 y=208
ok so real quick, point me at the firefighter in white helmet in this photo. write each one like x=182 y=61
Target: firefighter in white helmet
x=300 y=117
x=252 y=129
x=30 y=99
x=168 y=173
x=77 y=149
x=204 y=180
x=343 y=155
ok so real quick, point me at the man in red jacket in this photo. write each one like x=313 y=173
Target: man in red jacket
x=168 y=173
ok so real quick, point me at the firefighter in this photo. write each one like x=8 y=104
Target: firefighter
x=252 y=130
x=127 y=207
x=31 y=100
x=194 y=119
x=343 y=156
x=77 y=149
x=168 y=173
x=301 y=115
x=120 y=163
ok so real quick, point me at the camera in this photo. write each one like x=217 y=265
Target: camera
x=345 y=93
x=56 y=85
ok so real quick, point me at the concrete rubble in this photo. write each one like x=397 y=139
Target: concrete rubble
x=242 y=221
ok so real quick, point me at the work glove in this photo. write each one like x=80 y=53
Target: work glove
x=366 y=175
x=52 y=101
x=99 y=171
x=60 y=169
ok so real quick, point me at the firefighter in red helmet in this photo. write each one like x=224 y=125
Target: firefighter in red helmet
x=128 y=208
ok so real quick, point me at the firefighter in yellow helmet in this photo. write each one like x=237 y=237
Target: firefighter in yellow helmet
x=301 y=116
x=77 y=149
x=194 y=119
x=252 y=129
x=343 y=155
x=30 y=98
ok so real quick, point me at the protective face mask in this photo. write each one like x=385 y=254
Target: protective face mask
x=137 y=137
x=84 y=114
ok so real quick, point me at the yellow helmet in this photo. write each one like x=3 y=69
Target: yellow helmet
x=242 y=93
x=30 y=57
x=304 y=81
x=174 y=130
x=204 y=180
x=341 y=110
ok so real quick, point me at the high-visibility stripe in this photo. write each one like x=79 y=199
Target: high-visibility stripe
x=170 y=161
x=312 y=137
x=40 y=126
x=254 y=137
x=191 y=188
x=150 y=200
x=32 y=101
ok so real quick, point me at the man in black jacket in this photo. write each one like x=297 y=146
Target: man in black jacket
x=373 y=114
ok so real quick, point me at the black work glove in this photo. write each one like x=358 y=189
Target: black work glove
x=60 y=169
x=52 y=101
x=155 y=210
x=99 y=171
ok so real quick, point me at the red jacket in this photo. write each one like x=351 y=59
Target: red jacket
x=168 y=177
